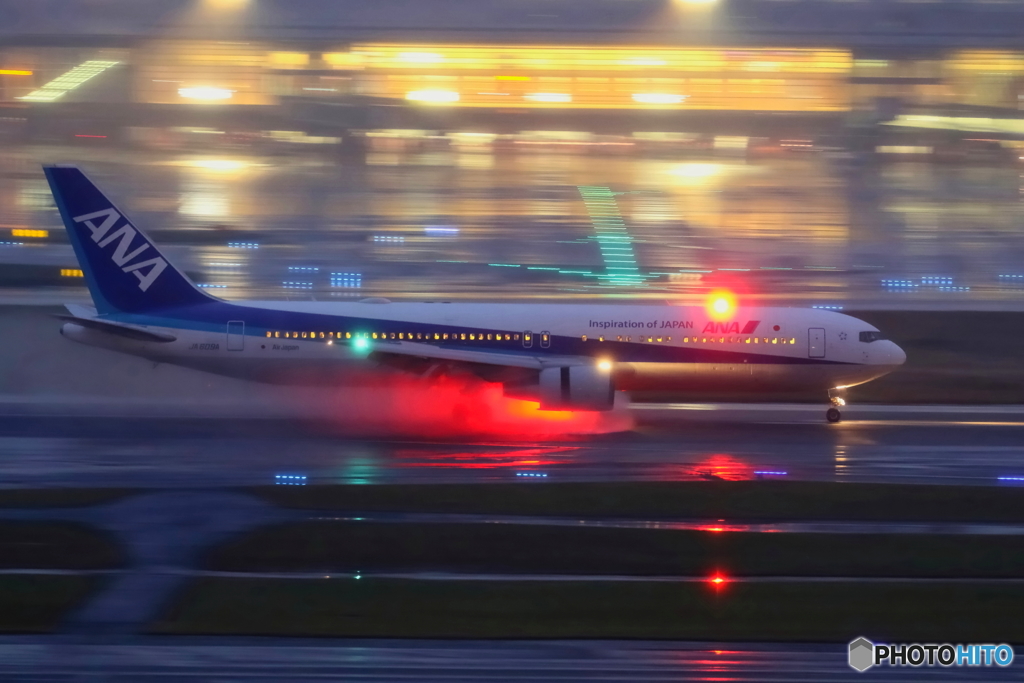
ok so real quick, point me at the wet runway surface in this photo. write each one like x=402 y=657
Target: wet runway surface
x=979 y=448
x=32 y=659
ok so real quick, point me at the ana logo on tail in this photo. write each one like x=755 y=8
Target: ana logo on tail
x=147 y=271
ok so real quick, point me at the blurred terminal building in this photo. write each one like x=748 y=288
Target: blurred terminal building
x=557 y=71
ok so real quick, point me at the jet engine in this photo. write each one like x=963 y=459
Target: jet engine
x=578 y=387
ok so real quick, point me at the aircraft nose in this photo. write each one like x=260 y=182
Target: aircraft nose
x=897 y=356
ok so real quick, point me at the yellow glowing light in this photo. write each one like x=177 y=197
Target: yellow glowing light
x=344 y=60
x=71 y=272
x=721 y=304
x=432 y=96
x=14 y=72
x=554 y=97
x=695 y=170
x=604 y=365
x=219 y=164
x=206 y=93
x=290 y=60
x=657 y=98
x=421 y=57
x=644 y=61
x=763 y=66
x=24 y=232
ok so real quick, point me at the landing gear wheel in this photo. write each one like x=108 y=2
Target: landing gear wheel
x=833 y=415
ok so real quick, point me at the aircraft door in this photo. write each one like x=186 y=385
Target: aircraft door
x=236 y=335
x=816 y=342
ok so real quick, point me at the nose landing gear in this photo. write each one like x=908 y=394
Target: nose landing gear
x=832 y=414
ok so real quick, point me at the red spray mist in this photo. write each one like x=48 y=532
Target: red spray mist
x=388 y=405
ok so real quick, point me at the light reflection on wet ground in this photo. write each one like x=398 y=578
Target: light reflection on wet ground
x=209 y=453
x=709 y=526
x=794 y=228
x=35 y=658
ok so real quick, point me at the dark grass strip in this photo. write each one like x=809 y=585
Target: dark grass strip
x=61 y=497
x=729 y=500
x=37 y=603
x=515 y=548
x=384 y=608
x=56 y=545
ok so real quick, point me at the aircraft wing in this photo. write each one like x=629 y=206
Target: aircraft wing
x=386 y=351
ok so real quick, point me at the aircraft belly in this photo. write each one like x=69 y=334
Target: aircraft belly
x=740 y=377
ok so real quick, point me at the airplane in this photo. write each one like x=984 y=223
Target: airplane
x=564 y=356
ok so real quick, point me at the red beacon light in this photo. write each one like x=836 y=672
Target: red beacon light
x=721 y=304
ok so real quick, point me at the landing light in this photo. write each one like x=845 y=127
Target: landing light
x=604 y=365
x=219 y=164
x=557 y=97
x=206 y=93
x=432 y=96
x=658 y=98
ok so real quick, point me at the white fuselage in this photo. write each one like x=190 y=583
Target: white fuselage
x=651 y=347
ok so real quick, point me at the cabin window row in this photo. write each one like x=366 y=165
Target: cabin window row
x=508 y=336
x=404 y=336
x=700 y=340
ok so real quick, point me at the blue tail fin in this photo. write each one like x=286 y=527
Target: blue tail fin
x=125 y=271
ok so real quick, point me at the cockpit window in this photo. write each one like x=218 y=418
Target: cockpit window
x=871 y=336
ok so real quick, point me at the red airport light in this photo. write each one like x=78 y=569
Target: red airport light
x=721 y=304
x=718 y=581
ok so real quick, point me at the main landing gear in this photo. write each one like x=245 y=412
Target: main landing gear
x=833 y=414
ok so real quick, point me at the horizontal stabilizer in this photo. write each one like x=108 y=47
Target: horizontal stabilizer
x=119 y=329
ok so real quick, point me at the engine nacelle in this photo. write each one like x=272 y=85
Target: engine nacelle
x=580 y=387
